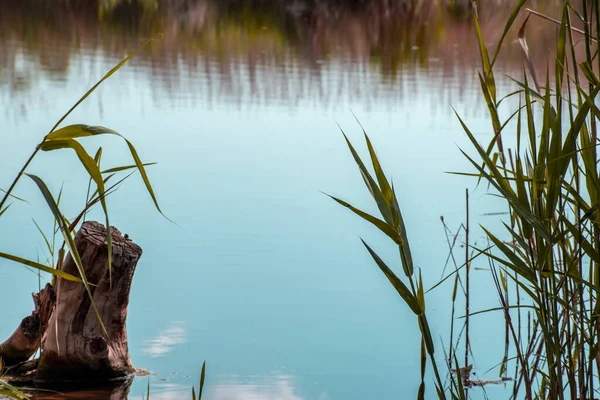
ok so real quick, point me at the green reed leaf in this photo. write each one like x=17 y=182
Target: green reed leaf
x=91 y=166
x=509 y=23
x=202 y=375
x=69 y=241
x=384 y=227
x=126 y=167
x=4 y=209
x=516 y=263
x=485 y=60
x=527 y=53
x=400 y=287
x=374 y=189
x=78 y=131
x=41 y=267
x=426 y=332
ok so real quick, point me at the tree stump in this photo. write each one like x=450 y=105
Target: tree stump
x=74 y=347
x=26 y=339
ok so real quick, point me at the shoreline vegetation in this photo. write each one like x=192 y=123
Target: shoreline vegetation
x=248 y=46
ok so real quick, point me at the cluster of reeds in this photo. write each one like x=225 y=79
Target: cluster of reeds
x=549 y=252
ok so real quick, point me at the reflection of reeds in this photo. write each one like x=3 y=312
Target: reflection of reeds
x=374 y=42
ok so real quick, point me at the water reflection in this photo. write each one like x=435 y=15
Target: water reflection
x=278 y=387
x=267 y=52
x=117 y=392
x=165 y=340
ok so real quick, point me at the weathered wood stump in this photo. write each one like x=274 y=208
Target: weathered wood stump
x=26 y=339
x=74 y=346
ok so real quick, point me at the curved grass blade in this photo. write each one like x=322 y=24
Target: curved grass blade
x=41 y=267
x=516 y=263
x=527 y=54
x=48 y=245
x=81 y=130
x=140 y=166
x=91 y=166
x=4 y=209
x=13 y=196
x=385 y=228
x=374 y=189
x=11 y=391
x=69 y=241
x=202 y=375
x=126 y=167
x=78 y=130
x=405 y=253
x=400 y=287
x=421 y=393
x=485 y=59
x=509 y=23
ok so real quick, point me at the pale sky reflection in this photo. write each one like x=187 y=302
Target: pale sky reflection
x=279 y=389
x=267 y=388
x=165 y=340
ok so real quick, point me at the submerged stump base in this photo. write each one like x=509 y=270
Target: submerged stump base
x=75 y=349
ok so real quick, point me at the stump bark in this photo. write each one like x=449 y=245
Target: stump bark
x=74 y=346
x=26 y=339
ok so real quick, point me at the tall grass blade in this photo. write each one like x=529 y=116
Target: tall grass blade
x=91 y=166
x=509 y=23
x=527 y=54
x=41 y=267
x=69 y=241
x=125 y=168
x=400 y=287
x=4 y=209
x=384 y=227
x=202 y=376
x=374 y=189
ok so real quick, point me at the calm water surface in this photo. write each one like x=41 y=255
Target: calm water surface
x=261 y=274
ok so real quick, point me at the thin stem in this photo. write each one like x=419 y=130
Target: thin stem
x=468 y=267
x=14 y=183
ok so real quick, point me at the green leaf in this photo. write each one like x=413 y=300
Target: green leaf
x=420 y=292
x=13 y=196
x=516 y=263
x=48 y=245
x=202 y=375
x=142 y=170
x=374 y=189
x=69 y=241
x=385 y=228
x=4 y=209
x=509 y=23
x=426 y=331
x=125 y=167
x=405 y=253
x=93 y=170
x=527 y=53
x=400 y=287
x=41 y=267
x=485 y=59
x=77 y=131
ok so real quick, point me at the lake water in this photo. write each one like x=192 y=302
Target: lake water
x=261 y=274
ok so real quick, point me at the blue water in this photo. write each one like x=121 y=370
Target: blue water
x=261 y=274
